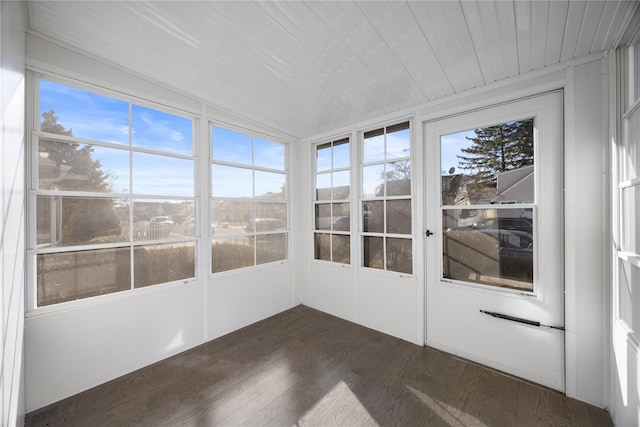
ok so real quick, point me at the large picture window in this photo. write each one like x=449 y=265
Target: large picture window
x=249 y=224
x=387 y=199
x=332 y=213
x=112 y=194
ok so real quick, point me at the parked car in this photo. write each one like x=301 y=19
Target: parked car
x=160 y=222
x=505 y=223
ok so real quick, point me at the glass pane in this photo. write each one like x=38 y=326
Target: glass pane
x=230 y=146
x=231 y=217
x=162 y=175
x=341 y=185
x=69 y=276
x=487 y=165
x=631 y=150
x=373 y=216
x=399 y=255
x=373 y=146
x=323 y=186
x=270 y=185
x=341 y=248
x=156 y=264
x=82 y=167
x=229 y=181
x=489 y=246
x=67 y=221
x=636 y=71
x=341 y=154
x=74 y=112
x=373 y=252
x=271 y=217
x=268 y=154
x=630 y=227
x=271 y=248
x=163 y=219
x=323 y=216
x=399 y=216
x=629 y=295
x=373 y=181
x=230 y=254
x=399 y=178
x=157 y=130
x=341 y=218
x=398 y=141
x=322 y=247
x=323 y=157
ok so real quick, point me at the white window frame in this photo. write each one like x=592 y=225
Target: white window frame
x=34 y=133
x=411 y=197
x=253 y=200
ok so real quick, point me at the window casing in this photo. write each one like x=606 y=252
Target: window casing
x=627 y=194
x=105 y=215
x=249 y=201
x=332 y=206
x=386 y=199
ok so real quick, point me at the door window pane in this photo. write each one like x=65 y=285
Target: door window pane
x=69 y=276
x=489 y=246
x=487 y=165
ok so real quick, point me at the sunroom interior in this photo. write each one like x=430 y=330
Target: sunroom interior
x=175 y=171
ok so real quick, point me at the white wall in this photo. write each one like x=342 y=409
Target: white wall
x=75 y=346
x=394 y=304
x=12 y=259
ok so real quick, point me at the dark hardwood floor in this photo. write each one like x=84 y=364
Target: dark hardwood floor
x=304 y=368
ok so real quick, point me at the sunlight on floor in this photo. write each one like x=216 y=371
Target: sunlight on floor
x=449 y=414
x=340 y=406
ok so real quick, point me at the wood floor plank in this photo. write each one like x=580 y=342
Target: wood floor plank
x=303 y=367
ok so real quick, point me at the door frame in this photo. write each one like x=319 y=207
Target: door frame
x=561 y=215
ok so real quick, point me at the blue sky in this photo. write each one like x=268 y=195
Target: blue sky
x=450 y=147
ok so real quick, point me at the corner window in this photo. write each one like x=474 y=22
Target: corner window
x=386 y=199
x=107 y=216
x=332 y=212
x=249 y=205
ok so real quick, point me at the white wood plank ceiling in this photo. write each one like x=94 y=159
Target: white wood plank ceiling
x=313 y=66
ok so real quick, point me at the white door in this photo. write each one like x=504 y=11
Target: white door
x=494 y=214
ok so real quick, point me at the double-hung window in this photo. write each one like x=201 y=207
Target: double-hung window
x=332 y=211
x=386 y=199
x=248 y=200
x=112 y=194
